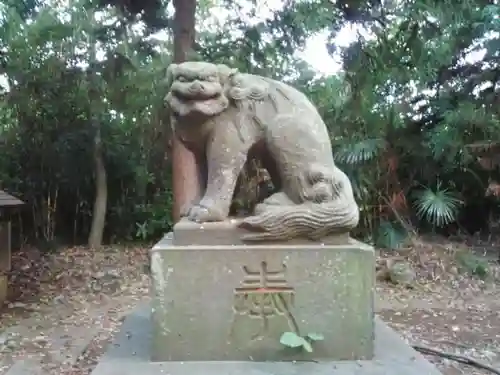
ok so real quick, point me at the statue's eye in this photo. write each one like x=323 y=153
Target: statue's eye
x=181 y=79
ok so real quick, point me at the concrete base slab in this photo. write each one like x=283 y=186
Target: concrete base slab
x=130 y=354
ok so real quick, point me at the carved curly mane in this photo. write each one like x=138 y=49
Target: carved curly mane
x=246 y=87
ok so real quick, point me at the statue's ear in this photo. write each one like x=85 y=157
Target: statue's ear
x=226 y=73
x=169 y=77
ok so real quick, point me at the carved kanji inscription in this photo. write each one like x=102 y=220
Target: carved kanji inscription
x=264 y=294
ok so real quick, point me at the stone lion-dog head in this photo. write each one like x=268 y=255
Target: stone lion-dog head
x=202 y=88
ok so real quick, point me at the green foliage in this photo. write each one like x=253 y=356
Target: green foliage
x=152 y=11
x=472 y=264
x=360 y=152
x=390 y=235
x=48 y=133
x=315 y=336
x=413 y=105
x=293 y=340
x=400 y=114
x=156 y=216
x=439 y=207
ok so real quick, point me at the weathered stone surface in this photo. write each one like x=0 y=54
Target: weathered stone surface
x=225 y=118
x=130 y=354
x=228 y=232
x=200 y=314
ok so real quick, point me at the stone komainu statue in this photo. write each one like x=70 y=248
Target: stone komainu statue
x=224 y=116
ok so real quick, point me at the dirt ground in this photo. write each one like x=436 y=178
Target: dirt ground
x=65 y=307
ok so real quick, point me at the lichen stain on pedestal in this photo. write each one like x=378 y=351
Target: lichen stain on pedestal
x=160 y=278
x=264 y=296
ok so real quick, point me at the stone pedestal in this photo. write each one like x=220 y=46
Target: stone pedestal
x=216 y=299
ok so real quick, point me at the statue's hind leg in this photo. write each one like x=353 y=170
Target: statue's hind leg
x=320 y=185
x=304 y=159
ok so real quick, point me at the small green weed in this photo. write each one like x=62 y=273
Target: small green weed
x=293 y=340
x=472 y=264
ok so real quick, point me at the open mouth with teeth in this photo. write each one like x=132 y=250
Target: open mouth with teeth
x=201 y=103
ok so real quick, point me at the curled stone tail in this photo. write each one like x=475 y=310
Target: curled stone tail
x=308 y=220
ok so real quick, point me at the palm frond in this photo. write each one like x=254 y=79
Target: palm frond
x=439 y=207
x=361 y=185
x=359 y=152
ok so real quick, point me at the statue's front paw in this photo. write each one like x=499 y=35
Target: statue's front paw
x=200 y=214
x=185 y=209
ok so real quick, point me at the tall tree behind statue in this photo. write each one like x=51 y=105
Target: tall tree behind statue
x=185 y=177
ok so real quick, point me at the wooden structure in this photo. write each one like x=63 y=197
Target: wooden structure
x=7 y=204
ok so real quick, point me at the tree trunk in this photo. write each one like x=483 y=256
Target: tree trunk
x=101 y=194
x=101 y=187
x=186 y=184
